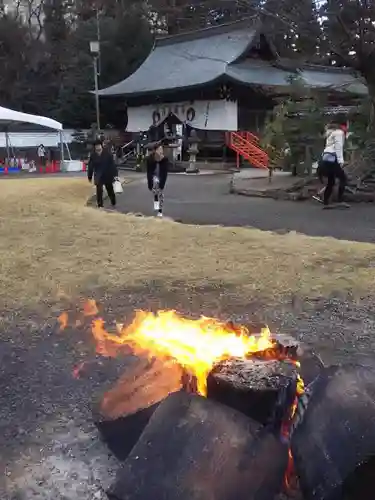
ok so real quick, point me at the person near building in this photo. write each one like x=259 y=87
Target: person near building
x=332 y=163
x=321 y=171
x=42 y=155
x=157 y=173
x=104 y=170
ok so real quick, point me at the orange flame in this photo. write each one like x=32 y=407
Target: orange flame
x=195 y=345
x=147 y=383
x=78 y=369
x=90 y=308
x=63 y=320
x=289 y=477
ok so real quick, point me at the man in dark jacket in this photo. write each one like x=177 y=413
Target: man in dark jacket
x=103 y=168
x=157 y=173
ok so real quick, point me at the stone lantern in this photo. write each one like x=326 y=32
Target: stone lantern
x=193 y=150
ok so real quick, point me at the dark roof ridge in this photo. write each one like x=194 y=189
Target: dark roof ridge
x=248 y=22
x=298 y=65
x=325 y=67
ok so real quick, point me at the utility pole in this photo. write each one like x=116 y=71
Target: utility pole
x=98 y=37
x=95 y=50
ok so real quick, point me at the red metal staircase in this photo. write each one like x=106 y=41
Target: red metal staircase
x=246 y=144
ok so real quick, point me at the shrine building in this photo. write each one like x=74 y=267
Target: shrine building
x=222 y=79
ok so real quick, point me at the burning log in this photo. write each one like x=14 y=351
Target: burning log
x=126 y=408
x=194 y=448
x=262 y=390
x=286 y=346
x=334 y=444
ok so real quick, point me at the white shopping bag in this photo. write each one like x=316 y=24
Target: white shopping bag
x=117 y=187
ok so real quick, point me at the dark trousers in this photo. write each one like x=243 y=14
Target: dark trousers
x=110 y=191
x=334 y=171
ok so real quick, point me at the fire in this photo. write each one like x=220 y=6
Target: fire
x=78 y=369
x=90 y=308
x=196 y=345
x=173 y=343
x=63 y=320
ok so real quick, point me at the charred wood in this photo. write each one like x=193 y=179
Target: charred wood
x=194 y=448
x=126 y=408
x=262 y=390
x=334 y=444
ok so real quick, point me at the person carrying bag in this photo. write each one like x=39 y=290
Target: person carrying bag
x=104 y=170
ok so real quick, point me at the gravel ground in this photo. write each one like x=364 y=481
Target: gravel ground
x=49 y=445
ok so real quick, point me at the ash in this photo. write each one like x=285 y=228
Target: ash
x=64 y=463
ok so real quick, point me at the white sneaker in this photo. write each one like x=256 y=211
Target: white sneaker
x=160 y=214
x=156 y=205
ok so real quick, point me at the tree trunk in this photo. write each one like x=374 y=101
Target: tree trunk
x=371 y=91
x=308 y=161
x=197 y=449
x=334 y=445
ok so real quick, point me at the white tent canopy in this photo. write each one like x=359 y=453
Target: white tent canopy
x=8 y=117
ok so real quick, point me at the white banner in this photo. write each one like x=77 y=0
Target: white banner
x=202 y=115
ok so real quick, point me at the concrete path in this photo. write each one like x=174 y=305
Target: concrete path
x=205 y=199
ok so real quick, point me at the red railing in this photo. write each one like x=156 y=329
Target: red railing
x=246 y=144
x=248 y=136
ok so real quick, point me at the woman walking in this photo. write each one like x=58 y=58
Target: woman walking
x=332 y=162
x=157 y=173
x=103 y=168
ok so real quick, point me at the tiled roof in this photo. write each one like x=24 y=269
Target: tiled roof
x=187 y=60
x=263 y=73
x=198 y=58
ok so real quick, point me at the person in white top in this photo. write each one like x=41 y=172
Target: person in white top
x=42 y=155
x=332 y=162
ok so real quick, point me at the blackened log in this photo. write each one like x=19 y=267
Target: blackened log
x=287 y=346
x=334 y=444
x=262 y=390
x=197 y=449
x=311 y=366
x=126 y=408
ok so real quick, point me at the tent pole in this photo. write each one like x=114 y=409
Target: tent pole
x=68 y=149
x=61 y=147
x=7 y=143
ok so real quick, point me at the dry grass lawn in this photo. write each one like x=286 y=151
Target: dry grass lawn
x=53 y=246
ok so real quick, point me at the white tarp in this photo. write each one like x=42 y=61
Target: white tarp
x=49 y=139
x=202 y=115
x=9 y=117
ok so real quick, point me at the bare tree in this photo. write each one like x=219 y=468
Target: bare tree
x=29 y=12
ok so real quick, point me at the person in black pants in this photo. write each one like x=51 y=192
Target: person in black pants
x=157 y=173
x=332 y=162
x=104 y=170
x=332 y=172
